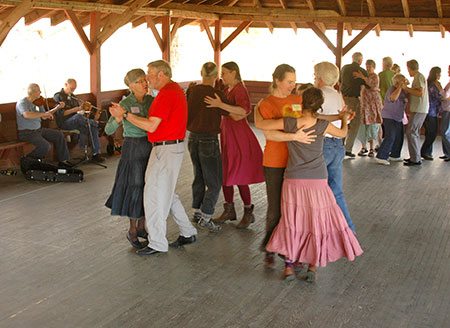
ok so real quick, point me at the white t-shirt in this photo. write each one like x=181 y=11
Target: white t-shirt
x=333 y=103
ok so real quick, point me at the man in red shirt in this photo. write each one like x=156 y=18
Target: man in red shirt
x=166 y=127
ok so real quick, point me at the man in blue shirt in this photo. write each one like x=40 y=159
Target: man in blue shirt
x=29 y=127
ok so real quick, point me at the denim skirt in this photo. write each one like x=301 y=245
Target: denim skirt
x=127 y=196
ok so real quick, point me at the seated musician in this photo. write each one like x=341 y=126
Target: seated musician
x=72 y=118
x=29 y=128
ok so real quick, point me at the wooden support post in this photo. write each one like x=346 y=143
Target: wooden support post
x=165 y=31
x=95 y=58
x=217 y=42
x=339 y=40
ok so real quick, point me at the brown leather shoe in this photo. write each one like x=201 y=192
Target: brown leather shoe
x=229 y=213
x=247 y=218
x=288 y=273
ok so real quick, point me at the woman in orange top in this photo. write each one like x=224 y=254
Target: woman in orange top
x=280 y=102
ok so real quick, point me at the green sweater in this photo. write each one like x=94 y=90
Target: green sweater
x=131 y=105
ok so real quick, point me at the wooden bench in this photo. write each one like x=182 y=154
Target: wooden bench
x=257 y=90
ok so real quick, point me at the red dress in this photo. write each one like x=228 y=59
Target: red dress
x=241 y=152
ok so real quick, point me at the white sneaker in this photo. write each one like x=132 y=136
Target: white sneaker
x=395 y=159
x=382 y=161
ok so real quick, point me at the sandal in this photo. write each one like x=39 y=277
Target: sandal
x=371 y=153
x=363 y=152
x=135 y=243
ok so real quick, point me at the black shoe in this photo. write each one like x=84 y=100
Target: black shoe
x=65 y=165
x=406 y=160
x=411 y=163
x=427 y=157
x=142 y=234
x=183 y=241
x=447 y=159
x=98 y=158
x=443 y=157
x=147 y=251
x=350 y=154
x=135 y=243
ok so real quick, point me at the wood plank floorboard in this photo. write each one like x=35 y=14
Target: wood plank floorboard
x=65 y=262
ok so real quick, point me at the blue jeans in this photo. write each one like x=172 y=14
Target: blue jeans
x=41 y=139
x=207 y=164
x=445 y=133
x=334 y=153
x=79 y=122
x=392 y=141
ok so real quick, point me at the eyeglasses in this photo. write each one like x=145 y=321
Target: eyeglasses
x=140 y=81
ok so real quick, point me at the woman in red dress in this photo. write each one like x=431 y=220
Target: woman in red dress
x=241 y=152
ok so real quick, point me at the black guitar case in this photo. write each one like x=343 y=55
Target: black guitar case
x=34 y=169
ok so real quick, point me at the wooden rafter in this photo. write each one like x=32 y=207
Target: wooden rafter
x=311 y=4
x=175 y=27
x=294 y=26
x=79 y=29
x=358 y=38
x=257 y=4
x=235 y=33
x=440 y=15
x=152 y=26
x=283 y=4
x=138 y=21
x=372 y=13
x=342 y=8
x=160 y=3
x=114 y=21
x=13 y=17
x=208 y=32
x=269 y=26
x=349 y=28
x=322 y=36
x=312 y=7
x=36 y=15
x=407 y=13
x=58 y=18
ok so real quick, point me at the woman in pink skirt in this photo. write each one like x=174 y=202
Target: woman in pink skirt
x=241 y=152
x=312 y=228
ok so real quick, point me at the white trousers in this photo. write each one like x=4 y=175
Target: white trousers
x=161 y=177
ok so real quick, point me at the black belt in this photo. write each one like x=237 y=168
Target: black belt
x=168 y=142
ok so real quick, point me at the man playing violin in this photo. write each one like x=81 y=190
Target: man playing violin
x=72 y=118
x=29 y=128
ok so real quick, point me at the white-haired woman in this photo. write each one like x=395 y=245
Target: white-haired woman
x=392 y=113
x=126 y=199
x=326 y=75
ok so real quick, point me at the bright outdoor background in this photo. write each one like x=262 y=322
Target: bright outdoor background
x=49 y=55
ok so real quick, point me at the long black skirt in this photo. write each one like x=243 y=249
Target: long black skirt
x=127 y=196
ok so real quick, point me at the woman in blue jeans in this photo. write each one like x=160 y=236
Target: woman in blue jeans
x=326 y=75
x=392 y=113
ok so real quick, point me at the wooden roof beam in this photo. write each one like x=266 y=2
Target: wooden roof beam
x=358 y=38
x=138 y=21
x=372 y=13
x=175 y=27
x=79 y=29
x=440 y=15
x=311 y=4
x=13 y=17
x=208 y=32
x=152 y=26
x=283 y=4
x=58 y=18
x=407 y=14
x=342 y=8
x=269 y=26
x=235 y=33
x=321 y=36
x=36 y=15
x=294 y=26
x=312 y=7
x=349 y=28
x=114 y=21
x=160 y=3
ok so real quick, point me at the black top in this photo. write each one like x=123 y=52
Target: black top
x=70 y=103
x=202 y=119
x=351 y=87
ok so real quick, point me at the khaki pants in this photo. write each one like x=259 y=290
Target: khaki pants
x=353 y=127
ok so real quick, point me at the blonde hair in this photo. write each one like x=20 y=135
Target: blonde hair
x=209 y=69
x=161 y=66
x=327 y=72
x=133 y=75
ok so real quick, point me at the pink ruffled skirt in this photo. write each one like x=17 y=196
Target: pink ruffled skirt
x=312 y=228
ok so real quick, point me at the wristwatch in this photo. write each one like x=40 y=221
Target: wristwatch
x=125 y=115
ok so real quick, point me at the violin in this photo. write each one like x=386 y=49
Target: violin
x=48 y=103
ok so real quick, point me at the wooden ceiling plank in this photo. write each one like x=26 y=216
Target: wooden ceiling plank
x=13 y=17
x=235 y=33
x=160 y=3
x=152 y=26
x=321 y=36
x=115 y=21
x=358 y=38
x=79 y=29
x=208 y=32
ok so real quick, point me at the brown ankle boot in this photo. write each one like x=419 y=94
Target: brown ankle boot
x=247 y=218
x=229 y=213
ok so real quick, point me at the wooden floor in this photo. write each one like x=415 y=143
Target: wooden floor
x=65 y=262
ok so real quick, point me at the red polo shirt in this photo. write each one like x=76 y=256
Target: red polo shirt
x=170 y=106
